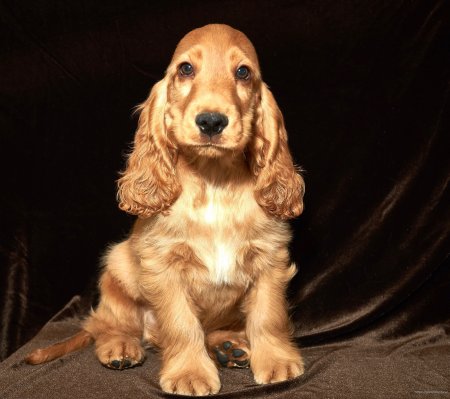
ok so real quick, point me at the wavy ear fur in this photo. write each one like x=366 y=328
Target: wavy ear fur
x=279 y=186
x=149 y=184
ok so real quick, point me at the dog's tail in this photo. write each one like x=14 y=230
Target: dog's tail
x=78 y=341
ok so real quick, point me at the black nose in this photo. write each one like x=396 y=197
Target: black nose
x=211 y=123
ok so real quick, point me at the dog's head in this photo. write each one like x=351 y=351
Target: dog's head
x=212 y=103
x=213 y=85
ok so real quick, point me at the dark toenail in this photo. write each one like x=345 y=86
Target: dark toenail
x=126 y=363
x=221 y=357
x=227 y=345
x=238 y=352
x=242 y=363
x=115 y=364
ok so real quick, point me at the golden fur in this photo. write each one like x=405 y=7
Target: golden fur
x=209 y=249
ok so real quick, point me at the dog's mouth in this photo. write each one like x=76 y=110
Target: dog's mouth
x=208 y=149
x=204 y=141
x=209 y=146
x=196 y=142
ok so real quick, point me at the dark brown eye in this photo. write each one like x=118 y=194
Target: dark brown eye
x=186 y=69
x=243 y=72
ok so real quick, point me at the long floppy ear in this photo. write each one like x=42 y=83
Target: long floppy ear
x=279 y=187
x=149 y=184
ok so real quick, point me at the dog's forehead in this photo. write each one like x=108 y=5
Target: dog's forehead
x=216 y=38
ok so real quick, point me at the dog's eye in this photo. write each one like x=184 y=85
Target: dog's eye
x=186 y=69
x=243 y=73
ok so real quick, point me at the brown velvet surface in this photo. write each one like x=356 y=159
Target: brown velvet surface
x=365 y=367
x=364 y=89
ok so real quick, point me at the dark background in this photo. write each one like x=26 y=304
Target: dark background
x=363 y=86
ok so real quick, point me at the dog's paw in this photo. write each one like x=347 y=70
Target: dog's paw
x=277 y=372
x=121 y=363
x=229 y=349
x=120 y=352
x=191 y=382
x=231 y=353
x=276 y=365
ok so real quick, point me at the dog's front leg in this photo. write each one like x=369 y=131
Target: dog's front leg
x=274 y=356
x=186 y=367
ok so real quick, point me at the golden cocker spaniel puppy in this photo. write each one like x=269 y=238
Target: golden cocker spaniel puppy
x=204 y=271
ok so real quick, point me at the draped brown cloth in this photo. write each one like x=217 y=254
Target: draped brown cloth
x=363 y=86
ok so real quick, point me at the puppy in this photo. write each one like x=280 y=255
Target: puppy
x=204 y=271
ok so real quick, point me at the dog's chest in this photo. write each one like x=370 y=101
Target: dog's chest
x=219 y=230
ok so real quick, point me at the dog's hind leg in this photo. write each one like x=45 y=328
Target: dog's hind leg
x=117 y=326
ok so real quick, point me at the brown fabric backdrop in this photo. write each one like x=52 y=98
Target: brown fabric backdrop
x=363 y=86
